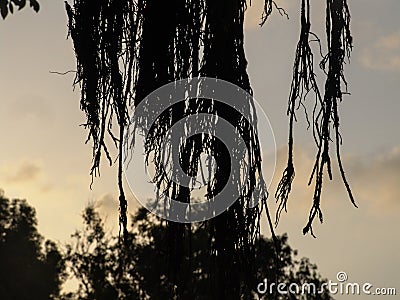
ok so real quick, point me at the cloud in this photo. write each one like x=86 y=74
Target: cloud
x=24 y=172
x=374 y=180
x=24 y=175
x=384 y=54
x=107 y=202
x=377 y=181
x=107 y=206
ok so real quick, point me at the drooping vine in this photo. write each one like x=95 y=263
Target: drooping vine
x=325 y=114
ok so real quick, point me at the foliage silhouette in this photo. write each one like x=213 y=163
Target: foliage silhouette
x=140 y=271
x=29 y=269
x=93 y=259
x=7 y=6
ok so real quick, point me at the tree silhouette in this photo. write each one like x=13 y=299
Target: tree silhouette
x=126 y=49
x=28 y=270
x=93 y=259
x=106 y=271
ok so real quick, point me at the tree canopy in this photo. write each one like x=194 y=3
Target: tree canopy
x=30 y=269
x=106 y=271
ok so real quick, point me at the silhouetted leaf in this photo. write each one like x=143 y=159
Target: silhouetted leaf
x=3 y=8
x=20 y=3
x=8 y=6
x=35 y=5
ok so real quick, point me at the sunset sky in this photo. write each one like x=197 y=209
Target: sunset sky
x=43 y=157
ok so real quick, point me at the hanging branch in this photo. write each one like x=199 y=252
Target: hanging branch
x=325 y=114
x=339 y=47
x=97 y=33
x=268 y=7
x=303 y=82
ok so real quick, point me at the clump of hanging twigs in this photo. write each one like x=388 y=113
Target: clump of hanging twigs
x=303 y=82
x=325 y=116
x=126 y=50
x=97 y=31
